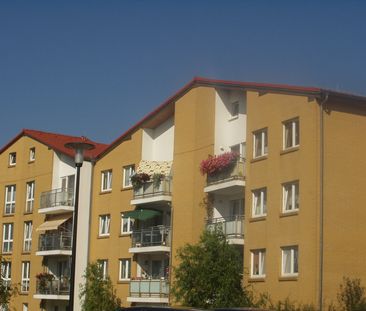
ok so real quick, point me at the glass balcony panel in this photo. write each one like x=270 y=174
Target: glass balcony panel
x=149 y=288
x=57 y=197
x=232 y=227
x=231 y=173
x=149 y=189
x=53 y=287
x=154 y=236
x=55 y=241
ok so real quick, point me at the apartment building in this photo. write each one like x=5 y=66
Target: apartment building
x=37 y=179
x=290 y=201
x=278 y=168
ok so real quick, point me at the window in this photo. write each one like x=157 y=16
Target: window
x=290 y=261
x=259 y=202
x=239 y=149
x=260 y=143
x=29 y=201
x=12 y=159
x=258 y=263
x=32 y=154
x=25 y=307
x=128 y=171
x=126 y=225
x=6 y=273
x=291 y=134
x=8 y=233
x=234 y=109
x=10 y=199
x=27 y=244
x=290 y=197
x=103 y=264
x=124 y=269
x=236 y=208
x=104 y=222
x=107 y=180
x=25 y=276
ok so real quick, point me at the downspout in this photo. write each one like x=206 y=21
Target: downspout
x=321 y=199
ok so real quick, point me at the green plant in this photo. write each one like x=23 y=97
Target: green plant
x=210 y=274
x=156 y=179
x=97 y=293
x=139 y=179
x=44 y=279
x=7 y=290
x=351 y=296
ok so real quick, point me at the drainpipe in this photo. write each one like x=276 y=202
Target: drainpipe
x=171 y=252
x=323 y=100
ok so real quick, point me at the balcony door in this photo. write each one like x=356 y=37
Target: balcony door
x=68 y=182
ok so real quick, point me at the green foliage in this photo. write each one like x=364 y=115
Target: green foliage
x=264 y=302
x=97 y=294
x=210 y=274
x=351 y=296
x=6 y=290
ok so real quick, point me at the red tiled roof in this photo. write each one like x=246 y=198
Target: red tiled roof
x=57 y=142
x=250 y=86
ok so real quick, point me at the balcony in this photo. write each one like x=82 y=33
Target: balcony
x=154 y=239
x=229 y=181
x=58 y=243
x=149 y=291
x=57 y=201
x=150 y=192
x=54 y=289
x=232 y=227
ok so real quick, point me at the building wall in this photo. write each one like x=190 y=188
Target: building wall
x=277 y=230
x=344 y=195
x=194 y=141
x=41 y=172
x=114 y=203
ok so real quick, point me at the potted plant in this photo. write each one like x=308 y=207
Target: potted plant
x=157 y=178
x=139 y=179
x=218 y=163
x=44 y=278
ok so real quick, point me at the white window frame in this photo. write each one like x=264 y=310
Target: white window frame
x=128 y=171
x=260 y=138
x=234 y=109
x=10 y=201
x=290 y=253
x=27 y=240
x=24 y=288
x=259 y=202
x=260 y=272
x=32 y=154
x=8 y=236
x=29 y=200
x=104 y=224
x=6 y=272
x=106 y=184
x=292 y=128
x=103 y=263
x=124 y=269
x=290 y=197
x=128 y=222
x=12 y=158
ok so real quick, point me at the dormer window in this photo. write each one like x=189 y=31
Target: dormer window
x=12 y=159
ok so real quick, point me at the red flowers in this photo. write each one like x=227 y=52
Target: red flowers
x=218 y=163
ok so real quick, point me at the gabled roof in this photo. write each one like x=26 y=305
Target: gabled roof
x=312 y=92
x=57 y=142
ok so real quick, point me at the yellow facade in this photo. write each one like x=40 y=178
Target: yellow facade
x=39 y=171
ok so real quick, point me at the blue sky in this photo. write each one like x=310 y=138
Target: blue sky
x=95 y=68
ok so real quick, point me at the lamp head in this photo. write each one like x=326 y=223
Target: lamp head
x=79 y=147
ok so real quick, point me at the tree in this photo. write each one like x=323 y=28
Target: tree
x=97 y=294
x=6 y=289
x=210 y=274
x=351 y=296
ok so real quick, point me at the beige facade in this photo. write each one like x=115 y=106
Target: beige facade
x=292 y=203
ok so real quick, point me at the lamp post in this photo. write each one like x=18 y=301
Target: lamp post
x=79 y=147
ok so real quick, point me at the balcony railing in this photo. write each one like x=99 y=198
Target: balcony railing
x=151 y=189
x=57 y=197
x=232 y=227
x=149 y=288
x=154 y=236
x=53 y=287
x=236 y=172
x=54 y=241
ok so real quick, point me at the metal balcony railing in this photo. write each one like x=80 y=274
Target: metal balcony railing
x=54 y=241
x=149 y=288
x=57 y=197
x=53 y=287
x=237 y=171
x=154 y=236
x=151 y=189
x=232 y=227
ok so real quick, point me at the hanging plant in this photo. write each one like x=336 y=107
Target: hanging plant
x=157 y=178
x=139 y=179
x=218 y=163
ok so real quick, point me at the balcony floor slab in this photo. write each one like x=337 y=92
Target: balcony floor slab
x=151 y=199
x=51 y=297
x=56 y=210
x=148 y=299
x=56 y=252
x=226 y=187
x=149 y=249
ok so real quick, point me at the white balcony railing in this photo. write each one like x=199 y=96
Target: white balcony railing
x=154 y=236
x=232 y=227
x=57 y=197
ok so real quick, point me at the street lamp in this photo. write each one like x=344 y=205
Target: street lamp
x=79 y=147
